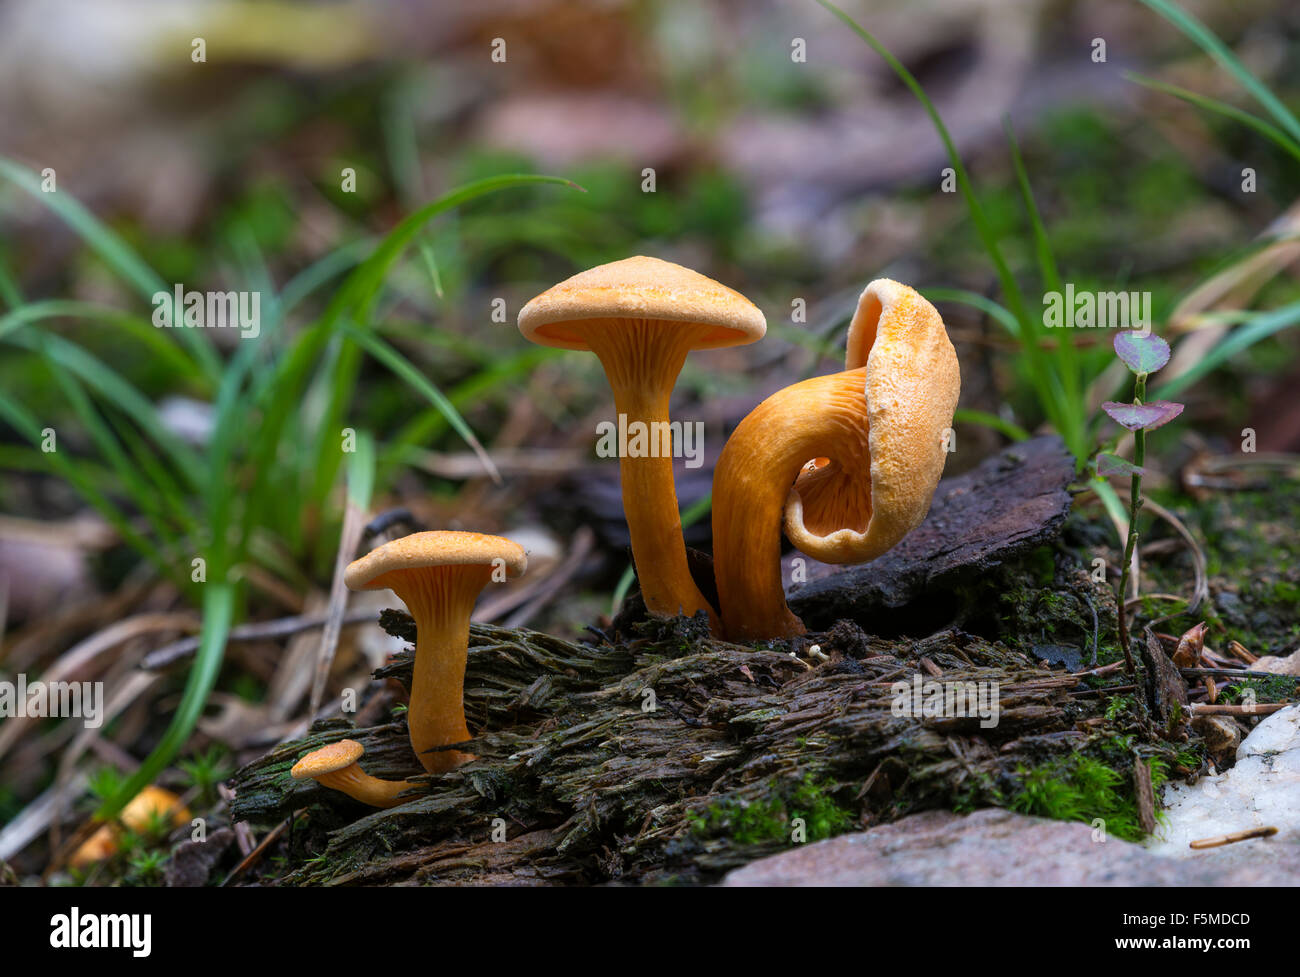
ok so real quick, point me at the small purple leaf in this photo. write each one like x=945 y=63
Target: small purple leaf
x=1142 y=354
x=1114 y=465
x=1142 y=417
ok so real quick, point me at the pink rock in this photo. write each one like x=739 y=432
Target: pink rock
x=995 y=847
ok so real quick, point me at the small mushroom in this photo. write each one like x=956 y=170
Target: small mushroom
x=338 y=767
x=641 y=316
x=438 y=575
x=847 y=462
x=137 y=816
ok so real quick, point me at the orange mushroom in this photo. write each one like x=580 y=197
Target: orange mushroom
x=847 y=462
x=138 y=815
x=641 y=316
x=338 y=767
x=438 y=575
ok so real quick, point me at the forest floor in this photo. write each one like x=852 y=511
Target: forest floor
x=653 y=753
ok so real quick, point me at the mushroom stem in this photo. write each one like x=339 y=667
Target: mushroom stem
x=440 y=600
x=359 y=785
x=821 y=418
x=642 y=360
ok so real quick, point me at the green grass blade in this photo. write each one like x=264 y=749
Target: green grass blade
x=982 y=226
x=1042 y=245
x=1112 y=503
x=218 y=615
x=428 y=425
x=145 y=496
x=115 y=252
x=358 y=294
x=10 y=293
x=1258 y=327
x=156 y=340
x=995 y=311
x=231 y=418
x=405 y=370
x=284 y=388
x=1215 y=48
x=968 y=415
x=80 y=478
x=361 y=471
x=112 y=386
x=1067 y=359
x=1262 y=126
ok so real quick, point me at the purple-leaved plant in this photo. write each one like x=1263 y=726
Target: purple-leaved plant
x=1143 y=355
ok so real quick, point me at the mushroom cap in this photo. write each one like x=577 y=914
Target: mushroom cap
x=433 y=549
x=150 y=801
x=137 y=816
x=912 y=385
x=328 y=759
x=641 y=288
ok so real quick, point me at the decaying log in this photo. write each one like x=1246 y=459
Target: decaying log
x=660 y=754
x=647 y=761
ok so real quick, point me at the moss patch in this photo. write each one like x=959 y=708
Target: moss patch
x=1082 y=788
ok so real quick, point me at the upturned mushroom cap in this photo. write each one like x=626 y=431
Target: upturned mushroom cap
x=433 y=549
x=641 y=288
x=912 y=383
x=328 y=759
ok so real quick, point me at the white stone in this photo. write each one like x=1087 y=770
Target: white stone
x=1262 y=790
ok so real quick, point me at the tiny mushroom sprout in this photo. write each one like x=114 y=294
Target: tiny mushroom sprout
x=847 y=462
x=641 y=317
x=438 y=575
x=338 y=767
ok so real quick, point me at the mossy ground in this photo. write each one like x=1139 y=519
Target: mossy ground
x=1252 y=549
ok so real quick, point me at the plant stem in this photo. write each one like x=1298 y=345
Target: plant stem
x=1135 y=503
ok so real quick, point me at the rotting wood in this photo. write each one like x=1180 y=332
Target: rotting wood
x=594 y=780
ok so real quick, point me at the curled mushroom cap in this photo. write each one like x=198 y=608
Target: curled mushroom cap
x=641 y=317
x=338 y=767
x=848 y=463
x=863 y=503
x=438 y=575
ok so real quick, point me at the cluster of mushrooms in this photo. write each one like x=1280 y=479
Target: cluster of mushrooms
x=845 y=464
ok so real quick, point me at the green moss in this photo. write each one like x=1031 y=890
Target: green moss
x=1252 y=560
x=1082 y=788
x=771 y=819
x=1118 y=705
x=1279 y=688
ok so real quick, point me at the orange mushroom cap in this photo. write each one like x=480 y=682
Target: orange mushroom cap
x=433 y=549
x=337 y=766
x=642 y=317
x=438 y=575
x=847 y=463
x=640 y=288
x=855 y=510
x=328 y=759
x=136 y=816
